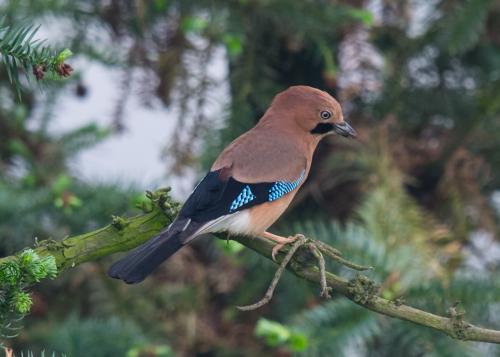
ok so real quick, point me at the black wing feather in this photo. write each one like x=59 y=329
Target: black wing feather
x=213 y=196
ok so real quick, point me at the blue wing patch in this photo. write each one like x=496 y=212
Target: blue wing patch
x=215 y=197
x=243 y=198
x=281 y=188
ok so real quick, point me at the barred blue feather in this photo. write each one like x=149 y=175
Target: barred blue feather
x=281 y=188
x=243 y=198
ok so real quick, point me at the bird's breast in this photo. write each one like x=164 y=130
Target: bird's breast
x=261 y=217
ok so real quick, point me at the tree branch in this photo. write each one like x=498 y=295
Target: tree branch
x=124 y=234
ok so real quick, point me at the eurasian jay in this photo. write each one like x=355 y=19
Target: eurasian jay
x=251 y=183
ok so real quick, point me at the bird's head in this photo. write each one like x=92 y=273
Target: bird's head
x=311 y=110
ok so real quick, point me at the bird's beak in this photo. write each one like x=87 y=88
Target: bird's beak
x=345 y=130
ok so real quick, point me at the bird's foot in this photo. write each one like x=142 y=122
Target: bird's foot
x=318 y=250
x=281 y=241
x=284 y=241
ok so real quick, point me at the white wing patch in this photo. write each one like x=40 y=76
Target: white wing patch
x=236 y=223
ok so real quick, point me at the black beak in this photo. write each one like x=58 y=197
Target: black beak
x=345 y=130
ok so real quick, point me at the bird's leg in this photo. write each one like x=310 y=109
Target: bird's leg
x=280 y=242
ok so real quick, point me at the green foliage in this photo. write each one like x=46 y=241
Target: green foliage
x=35 y=267
x=16 y=276
x=336 y=327
x=18 y=50
x=96 y=337
x=62 y=206
x=464 y=26
x=153 y=351
x=276 y=334
x=83 y=138
x=42 y=354
x=194 y=24
x=230 y=246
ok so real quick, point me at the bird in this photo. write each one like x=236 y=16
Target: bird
x=251 y=183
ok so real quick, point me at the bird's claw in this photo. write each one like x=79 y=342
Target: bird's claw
x=285 y=241
x=275 y=250
x=325 y=292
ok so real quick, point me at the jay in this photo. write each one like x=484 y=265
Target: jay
x=251 y=183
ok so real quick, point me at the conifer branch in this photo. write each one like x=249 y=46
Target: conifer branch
x=124 y=234
x=20 y=51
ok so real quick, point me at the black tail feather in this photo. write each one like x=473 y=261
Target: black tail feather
x=141 y=262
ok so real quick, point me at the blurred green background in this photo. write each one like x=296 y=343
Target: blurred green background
x=417 y=195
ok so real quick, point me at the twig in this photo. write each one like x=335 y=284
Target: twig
x=326 y=248
x=270 y=291
x=325 y=289
x=336 y=255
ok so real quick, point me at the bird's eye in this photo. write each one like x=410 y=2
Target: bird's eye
x=325 y=115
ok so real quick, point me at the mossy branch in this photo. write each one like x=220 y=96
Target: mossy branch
x=124 y=234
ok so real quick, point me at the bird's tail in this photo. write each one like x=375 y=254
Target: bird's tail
x=141 y=262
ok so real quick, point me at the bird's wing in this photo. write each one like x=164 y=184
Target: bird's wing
x=215 y=198
x=217 y=195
